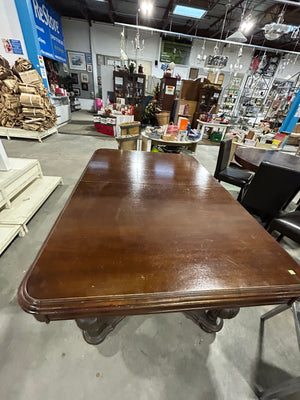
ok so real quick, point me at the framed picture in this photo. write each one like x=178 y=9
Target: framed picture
x=74 y=78
x=89 y=68
x=84 y=78
x=84 y=86
x=194 y=72
x=77 y=60
x=77 y=92
x=100 y=59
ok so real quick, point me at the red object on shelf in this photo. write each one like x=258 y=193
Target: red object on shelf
x=105 y=129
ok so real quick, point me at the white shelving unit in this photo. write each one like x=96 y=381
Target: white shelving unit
x=21 y=174
x=23 y=190
x=26 y=134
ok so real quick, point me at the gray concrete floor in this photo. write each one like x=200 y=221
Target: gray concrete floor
x=154 y=357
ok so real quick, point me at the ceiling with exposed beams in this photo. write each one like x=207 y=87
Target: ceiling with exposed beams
x=210 y=26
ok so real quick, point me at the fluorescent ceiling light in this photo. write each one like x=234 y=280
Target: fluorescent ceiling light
x=190 y=12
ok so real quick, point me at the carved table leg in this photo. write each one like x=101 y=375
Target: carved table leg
x=95 y=330
x=211 y=321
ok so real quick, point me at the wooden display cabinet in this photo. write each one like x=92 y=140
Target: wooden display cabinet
x=131 y=87
x=167 y=93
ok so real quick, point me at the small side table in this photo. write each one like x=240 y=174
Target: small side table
x=202 y=125
x=190 y=144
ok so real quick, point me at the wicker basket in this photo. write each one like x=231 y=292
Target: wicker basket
x=127 y=142
x=163 y=118
x=130 y=128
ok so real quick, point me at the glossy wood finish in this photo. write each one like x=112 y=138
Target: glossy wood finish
x=153 y=232
x=250 y=158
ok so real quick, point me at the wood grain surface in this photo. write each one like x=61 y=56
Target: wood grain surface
x=154 y=232
x=250 y=158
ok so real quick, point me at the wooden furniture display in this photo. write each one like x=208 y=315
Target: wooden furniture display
x=201 y=95
x=167 y=93
x=131 y=87
x=148 y=142
x=251 y=158
x=148 y=233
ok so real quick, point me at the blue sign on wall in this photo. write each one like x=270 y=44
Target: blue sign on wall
x=16 y=46
x=49 y=31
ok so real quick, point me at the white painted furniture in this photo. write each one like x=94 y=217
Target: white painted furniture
x=21 y=174
x=26 y=204
x=23 y=189
x=26 y=134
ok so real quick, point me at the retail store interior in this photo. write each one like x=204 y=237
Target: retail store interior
x=149 y=199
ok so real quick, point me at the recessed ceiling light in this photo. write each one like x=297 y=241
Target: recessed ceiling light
x=190 y=12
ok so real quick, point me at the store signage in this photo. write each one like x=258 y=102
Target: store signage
x=12 y=46
x=49 y=31
x=170 y=90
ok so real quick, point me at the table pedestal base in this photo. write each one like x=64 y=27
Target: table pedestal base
x=211 y=321
x=95 y=330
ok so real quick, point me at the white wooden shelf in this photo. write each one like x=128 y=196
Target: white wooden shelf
x=26 y=134
x=21 y=174
x=23 y=189
x=8 y=233
x=26 y=204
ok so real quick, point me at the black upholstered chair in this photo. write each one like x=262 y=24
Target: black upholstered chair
x=234 y=175
x=287 y=225
x=271 y=188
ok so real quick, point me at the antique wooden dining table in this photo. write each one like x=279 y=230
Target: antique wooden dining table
x=251 y=157
x=150 y=233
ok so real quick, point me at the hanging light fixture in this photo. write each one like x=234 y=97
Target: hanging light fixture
x=237 y=66
x=274 y=31
x=122 y=46
x=215 y=62
x=137 y=43
x=202 y=56
x=238 y=37
x=245 y=26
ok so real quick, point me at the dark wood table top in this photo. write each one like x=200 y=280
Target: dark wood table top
x=154 y=232
x=250 y=158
